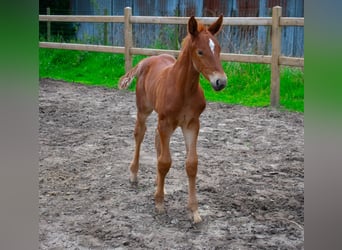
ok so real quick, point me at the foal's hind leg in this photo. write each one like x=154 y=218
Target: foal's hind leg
x=157 y=146
x=158 y=149
x=139 y=133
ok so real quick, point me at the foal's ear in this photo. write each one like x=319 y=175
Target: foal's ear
x=216 y=27
x=192 y=26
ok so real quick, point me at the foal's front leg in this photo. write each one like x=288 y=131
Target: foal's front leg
x=164 y=131
x=190 y=133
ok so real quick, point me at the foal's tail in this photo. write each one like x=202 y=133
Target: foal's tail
x=127 y=79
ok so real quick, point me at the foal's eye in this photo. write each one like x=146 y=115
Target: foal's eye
x=200 y=52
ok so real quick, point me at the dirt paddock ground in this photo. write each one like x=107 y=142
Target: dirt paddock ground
x=250 y=180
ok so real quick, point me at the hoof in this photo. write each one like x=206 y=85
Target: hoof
x=133 y=179
x=160 y=208
x=197 y=218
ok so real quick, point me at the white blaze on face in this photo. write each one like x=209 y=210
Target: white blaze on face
x=212 y=45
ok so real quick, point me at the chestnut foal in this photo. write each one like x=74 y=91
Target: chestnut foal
x=171 y=88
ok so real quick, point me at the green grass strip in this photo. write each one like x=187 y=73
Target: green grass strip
x=248 y=83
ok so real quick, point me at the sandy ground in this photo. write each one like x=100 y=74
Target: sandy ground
x=250 y=180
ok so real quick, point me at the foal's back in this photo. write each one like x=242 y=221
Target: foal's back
x=152 y=79
x=153 y=68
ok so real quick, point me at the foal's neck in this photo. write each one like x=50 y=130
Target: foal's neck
x=187 y=75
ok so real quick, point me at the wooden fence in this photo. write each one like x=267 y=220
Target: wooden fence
x=275 y=59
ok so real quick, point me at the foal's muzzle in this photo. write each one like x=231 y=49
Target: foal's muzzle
x=218 y=82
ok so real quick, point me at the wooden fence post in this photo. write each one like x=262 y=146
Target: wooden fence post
x=105 y=28
x=276 y=51
x=48 y=25
x=128 y=38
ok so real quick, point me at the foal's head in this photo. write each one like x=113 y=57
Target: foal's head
x=205 y=51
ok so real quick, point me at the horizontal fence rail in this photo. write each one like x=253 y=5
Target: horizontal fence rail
x=276 y=22
x=86 y=47
x=91 y=19
x=250 y=21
